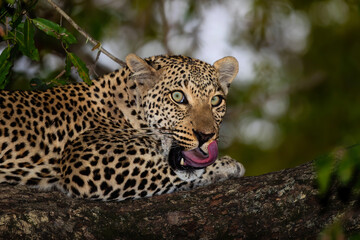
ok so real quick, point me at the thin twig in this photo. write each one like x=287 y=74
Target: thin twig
x=93 y=66
x=87 y=36
x=60 y=74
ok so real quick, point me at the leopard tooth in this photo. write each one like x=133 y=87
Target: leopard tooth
x=182 y=162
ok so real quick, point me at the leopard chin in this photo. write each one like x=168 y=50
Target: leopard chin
x=192 y=159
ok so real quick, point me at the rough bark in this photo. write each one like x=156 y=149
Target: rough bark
x=279 y=205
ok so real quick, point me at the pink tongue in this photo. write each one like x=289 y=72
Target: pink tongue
x=196 y=158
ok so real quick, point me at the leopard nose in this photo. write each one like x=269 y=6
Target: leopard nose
x=203 y=137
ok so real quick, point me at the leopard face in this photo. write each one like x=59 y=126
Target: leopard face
x=186 y=101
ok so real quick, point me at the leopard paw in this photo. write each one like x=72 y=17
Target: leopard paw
x=224 y=168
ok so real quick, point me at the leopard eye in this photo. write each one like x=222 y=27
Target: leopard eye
x=216 y=100
x=178 y=97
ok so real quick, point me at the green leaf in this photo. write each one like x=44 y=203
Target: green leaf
x=80 y=66
x=24 y=38
x=16 y=17
x=5 y=66
x=354 y=153
x=348 y=164
x=16 y=35
x=29 y=45
x=324 y=169
x=54 y=30
x=345 y=169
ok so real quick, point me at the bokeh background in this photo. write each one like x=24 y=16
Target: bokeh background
x=296 y=96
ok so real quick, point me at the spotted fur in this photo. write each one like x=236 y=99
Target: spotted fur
x=122 y=136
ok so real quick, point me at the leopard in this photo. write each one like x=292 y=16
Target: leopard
x=146 y=129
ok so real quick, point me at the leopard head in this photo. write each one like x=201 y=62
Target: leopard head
x=185 y=99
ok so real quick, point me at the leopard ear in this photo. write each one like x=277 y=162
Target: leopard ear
x=145 y=76
x=227 y=68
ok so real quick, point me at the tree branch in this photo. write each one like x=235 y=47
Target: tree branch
x=279 y=205
x=95 y=43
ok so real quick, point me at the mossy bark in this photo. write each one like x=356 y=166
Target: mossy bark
x=279 y=205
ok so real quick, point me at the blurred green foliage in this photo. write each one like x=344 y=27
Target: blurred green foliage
x=335 y=232
x=342 y=165
x=299 y=102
